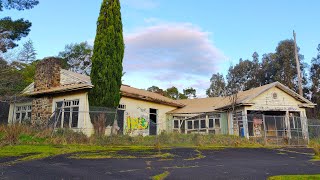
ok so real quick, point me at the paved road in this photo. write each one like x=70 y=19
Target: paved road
x=187 y=164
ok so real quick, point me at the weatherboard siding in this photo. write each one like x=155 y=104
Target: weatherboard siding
x=283 y=102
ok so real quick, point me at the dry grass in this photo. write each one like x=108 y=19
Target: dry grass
x=20 y=134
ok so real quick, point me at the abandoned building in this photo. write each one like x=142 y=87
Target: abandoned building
x=271 y=110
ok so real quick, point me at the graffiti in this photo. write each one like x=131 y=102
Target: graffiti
x=139 y=123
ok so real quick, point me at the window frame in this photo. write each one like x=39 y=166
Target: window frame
x=20 y=110
x=71 y=104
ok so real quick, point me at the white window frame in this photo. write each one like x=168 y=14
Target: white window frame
x=68 y=104
x=23 y=109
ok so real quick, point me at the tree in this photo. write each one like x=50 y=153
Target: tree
x=189 y=93
x=11 y=80
x=156 y=89
x=78 y=57
x=108 y=51
x=13 y=30
x=217 y=86
x=315 y=83
x=242 y=76
x=172 y=93
x=28 y=53
x=286 y=65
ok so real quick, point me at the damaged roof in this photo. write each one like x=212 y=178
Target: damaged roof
x=202 y=105
x=71 y=81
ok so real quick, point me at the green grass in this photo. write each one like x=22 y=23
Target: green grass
x=161 y=176
x=295 y=177
x=32 y=152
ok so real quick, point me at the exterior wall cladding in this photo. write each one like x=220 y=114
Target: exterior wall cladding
x=47 y=76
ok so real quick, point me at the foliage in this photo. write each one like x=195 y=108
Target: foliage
x=315 y=83
x=217 y=87
x=190 y=92
x=156 y=89
x=78 y=57
x=108 y=52
x=11 y=80
x=28 y=53
x=13 y=30
x=174 y=93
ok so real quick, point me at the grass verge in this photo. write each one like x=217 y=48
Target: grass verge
x=161 y=176
x=295 y=177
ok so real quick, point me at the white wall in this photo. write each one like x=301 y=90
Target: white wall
x=84 y=122
x=140 y=109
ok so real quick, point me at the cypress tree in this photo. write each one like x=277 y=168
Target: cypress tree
x=107 y=57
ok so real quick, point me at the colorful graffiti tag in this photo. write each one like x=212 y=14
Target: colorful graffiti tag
x=134 y=123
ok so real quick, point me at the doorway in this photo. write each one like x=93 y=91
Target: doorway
x=153 y=117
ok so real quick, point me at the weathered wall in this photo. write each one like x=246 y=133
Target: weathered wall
x=41 y=110
x=137 y=114
x=47 y=74
x=283 y=102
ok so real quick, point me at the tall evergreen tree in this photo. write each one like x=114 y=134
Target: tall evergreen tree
x=107 y=56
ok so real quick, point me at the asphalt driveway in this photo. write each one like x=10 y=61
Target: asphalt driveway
x=186 y=164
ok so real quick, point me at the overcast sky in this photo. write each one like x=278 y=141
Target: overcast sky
x=179 y=43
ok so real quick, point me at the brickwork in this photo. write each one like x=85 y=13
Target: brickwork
x=41 y=110
x=47 y=76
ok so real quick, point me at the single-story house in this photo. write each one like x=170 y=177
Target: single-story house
x=269 y=110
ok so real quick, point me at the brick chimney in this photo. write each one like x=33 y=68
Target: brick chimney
x=47 y=74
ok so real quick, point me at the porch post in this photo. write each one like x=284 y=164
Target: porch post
x=304 y=125
x=287 y=120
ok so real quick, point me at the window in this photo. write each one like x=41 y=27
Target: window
x=122 y=107
x=67 y=114
x=196 y=124
x=176 y=124
x=203 y=123
x=217 y=123
x=190 y=125
x=23 y=114
x=211 y=125
x=214 y=120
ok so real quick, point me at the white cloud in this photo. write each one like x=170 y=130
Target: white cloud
x=169 y=48
x=167 y=54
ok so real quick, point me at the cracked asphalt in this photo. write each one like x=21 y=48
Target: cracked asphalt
x=229 y=163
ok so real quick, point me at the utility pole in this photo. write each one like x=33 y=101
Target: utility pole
x=298 y=64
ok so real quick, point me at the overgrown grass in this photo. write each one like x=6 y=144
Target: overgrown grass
x=161 y=176
x=295 y=177
x=28 y=143
x=315 y=144
x=19 y=134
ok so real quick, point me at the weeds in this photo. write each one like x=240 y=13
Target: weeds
x=161 y=176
